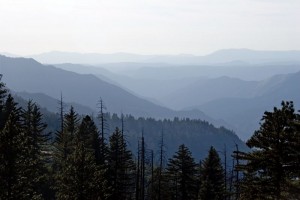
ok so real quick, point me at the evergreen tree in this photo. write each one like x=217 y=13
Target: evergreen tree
x=88 y=133
x=63 y=141
x=121 y=168
x=181 y=171
x=212 y=177
x=272 y=166
x=63 y=148
x=35 y=153
x=81 y=178
x=11 y=140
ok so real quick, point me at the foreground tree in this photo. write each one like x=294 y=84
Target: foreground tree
x=11 y=140
x=181 y=173
x=63 y=148
x=79 y=176
x=34 y=153
x=212 y=177
x=121 y=168
x=82 y=178
x=272 y=167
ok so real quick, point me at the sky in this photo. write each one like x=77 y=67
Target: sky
x=196 y=27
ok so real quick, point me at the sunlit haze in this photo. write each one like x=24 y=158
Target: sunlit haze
x=148 y=26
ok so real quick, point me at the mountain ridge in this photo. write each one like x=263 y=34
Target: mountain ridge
x=29 y=75
x=217 y=57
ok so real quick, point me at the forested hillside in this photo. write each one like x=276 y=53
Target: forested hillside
x=86 y=89
x=80 y=161
x=197 y=134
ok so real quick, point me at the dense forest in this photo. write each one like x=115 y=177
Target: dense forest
x=80 y=161
x=197 y=134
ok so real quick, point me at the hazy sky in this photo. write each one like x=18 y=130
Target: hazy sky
x=148 y=26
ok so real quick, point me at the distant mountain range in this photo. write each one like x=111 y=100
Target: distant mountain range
x=234 y=94
x=27 y=75
x=232 y=56
x=30 y=80
x=240 y=103
x=245 y=110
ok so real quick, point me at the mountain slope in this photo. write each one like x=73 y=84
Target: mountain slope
x=205 y=90
x=28 y=75
x=52 y=104
x=196 y=134
x=245 y=113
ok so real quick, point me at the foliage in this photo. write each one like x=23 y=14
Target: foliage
x=80 y=165
x=121 y=168
x=272 y=167
x=181 y=173
x=212 y=177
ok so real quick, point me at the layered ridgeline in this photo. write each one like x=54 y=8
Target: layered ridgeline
x=30 y=76
x=236 y=93
x=197 y=134
x=246 y=56
x=238 y=102
x=82 y=162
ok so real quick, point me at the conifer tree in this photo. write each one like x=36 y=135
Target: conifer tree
x=212 y=177
x=10 y=151
x=270 y=169
x=34 y=153
x=121 y=168
x=88 y=133
x=64 y=146
x=63 y=141
x=81 y=178
x=181 y=172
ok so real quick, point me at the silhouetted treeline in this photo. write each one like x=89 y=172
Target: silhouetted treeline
x=82 y=161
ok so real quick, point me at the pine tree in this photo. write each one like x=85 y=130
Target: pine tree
x=63 y=141
x=89 y=135
x=81 y=177
x=63 y=148
x=181 y=171
x=10 y=151
x=212 y=177
x=121 y=168
x=271 y=167
x=35 y=153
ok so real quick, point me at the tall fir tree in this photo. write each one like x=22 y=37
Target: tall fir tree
x=11 y=140
x=212 y=177
x=63 y=147
x=35 y=153
x=81 y=177
x=270 y=169
x=121 y=168
x=89 y=135
x=181 y=173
